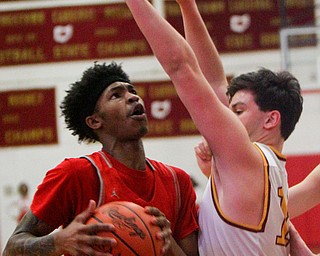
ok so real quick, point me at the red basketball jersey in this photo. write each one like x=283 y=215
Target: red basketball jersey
x=67 y=189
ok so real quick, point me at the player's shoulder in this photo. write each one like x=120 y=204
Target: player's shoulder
x=168 y=169
x=73 y=165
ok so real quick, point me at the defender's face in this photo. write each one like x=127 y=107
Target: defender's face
x=244 y=106
x=122 y=112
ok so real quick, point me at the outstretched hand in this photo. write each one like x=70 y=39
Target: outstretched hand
x=81 y=239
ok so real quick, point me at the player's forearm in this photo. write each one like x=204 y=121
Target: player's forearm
x=207 y=55
x=26 y=244
x=305 y=195
x=167 y=44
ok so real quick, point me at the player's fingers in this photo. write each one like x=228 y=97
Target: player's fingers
x=99 y=227
x=166 y=237
x=101 y=242
x=205 y=149
x=93 y=244
x=162 y=222
x=87 y=213
x=160 y=219
x=153 y=211
x=199 y=153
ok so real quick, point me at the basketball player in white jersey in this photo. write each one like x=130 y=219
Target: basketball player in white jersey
x=244 y=210
x=302 y=196
x=199 y=39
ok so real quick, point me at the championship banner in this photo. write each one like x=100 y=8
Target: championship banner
x=109 y=31
x=68 y=34
x=28 y=117
x=246 y=25
x=167 y=115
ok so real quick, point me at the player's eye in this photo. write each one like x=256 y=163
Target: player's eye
x=238 y=112
x=115 y=95
x=133 y=91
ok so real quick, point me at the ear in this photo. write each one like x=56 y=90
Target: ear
x=273 y=119
x=93 y=122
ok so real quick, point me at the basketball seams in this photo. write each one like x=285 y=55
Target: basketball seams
x=117 y=236
x=125 y=243
x=147 y=228
x=97 y=219
x=99 y=215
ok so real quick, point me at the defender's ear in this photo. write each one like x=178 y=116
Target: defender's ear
x=273 y=119
x=93 y=122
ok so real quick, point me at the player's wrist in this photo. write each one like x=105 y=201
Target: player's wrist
x=58 y=245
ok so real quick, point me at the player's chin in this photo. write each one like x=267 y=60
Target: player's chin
x=143 y=130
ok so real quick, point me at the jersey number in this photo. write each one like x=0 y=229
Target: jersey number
x=283 y=239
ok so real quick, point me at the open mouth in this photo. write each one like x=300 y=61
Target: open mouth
x=138 y=110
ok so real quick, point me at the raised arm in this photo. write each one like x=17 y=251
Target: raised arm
x=306 y=194
x=207 y=55
x=211 y=117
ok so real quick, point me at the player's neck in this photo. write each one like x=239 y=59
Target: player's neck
x=131 y=155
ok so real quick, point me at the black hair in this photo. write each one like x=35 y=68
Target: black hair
x=83 y=95
x=273 y=91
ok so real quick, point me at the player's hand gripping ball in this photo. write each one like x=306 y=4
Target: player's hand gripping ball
x=134 y=232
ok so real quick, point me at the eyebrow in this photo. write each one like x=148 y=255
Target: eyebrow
x=237 y=104
x=121 y=86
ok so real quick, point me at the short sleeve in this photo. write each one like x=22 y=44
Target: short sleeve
x=65 y=192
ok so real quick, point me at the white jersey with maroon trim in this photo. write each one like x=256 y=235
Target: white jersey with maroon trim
x=220 y=235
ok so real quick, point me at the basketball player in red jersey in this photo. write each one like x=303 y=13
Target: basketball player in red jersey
x=104 y=106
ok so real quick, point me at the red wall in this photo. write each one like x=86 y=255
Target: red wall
x=308 y=224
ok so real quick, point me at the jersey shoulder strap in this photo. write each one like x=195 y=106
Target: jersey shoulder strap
x=95 y=164
x=177 y=189
x=176 y=185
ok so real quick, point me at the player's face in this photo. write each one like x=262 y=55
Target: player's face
x=244 y=106
x=122 y=112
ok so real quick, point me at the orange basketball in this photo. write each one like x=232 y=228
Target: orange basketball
x=134 y=232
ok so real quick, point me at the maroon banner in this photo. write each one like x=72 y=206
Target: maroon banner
x=28 y=117
x=69 y=33
x=242 y=25
x=166 y=113
x=109 y=31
